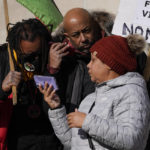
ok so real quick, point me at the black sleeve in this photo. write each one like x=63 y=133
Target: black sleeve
x=4 y=69
x=141 y=62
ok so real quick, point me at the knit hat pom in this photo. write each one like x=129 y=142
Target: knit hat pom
x=136 y=43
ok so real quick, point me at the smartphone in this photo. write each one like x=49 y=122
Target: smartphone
x=42 y=79
x=71 y=49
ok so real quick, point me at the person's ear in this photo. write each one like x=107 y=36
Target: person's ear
x=67 y=36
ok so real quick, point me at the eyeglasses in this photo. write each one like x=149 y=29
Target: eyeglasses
x=33 y=54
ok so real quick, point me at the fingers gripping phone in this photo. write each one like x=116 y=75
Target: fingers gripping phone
x=40 y=80
x=71 y=49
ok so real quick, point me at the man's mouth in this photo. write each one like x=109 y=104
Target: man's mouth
x=87 y=46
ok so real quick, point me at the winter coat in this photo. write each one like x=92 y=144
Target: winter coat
x=5 y=101
x=119 y=120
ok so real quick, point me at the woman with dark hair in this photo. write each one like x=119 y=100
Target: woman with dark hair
x=29 y=127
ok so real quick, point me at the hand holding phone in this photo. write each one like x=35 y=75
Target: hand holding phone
x=49 y=93
x=56 y=53
x=40 y=80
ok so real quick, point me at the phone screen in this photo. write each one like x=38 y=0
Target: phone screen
x=42 y=79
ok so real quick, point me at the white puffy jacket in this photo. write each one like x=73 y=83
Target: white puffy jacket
x=119 y=120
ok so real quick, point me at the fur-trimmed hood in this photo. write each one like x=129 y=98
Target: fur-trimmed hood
x=104 y=19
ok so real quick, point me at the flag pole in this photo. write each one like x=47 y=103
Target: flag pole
x=12 y=68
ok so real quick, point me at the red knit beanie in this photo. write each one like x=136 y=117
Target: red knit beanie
x=115 y=52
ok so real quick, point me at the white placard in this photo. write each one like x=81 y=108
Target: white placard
x=133 y=17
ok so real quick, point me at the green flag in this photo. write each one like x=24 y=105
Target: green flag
x=45 y=10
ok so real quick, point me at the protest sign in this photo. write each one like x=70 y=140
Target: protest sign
x=133 y=17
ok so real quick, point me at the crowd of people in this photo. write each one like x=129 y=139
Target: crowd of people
x=102 y=100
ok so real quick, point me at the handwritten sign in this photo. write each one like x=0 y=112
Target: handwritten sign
x=133 y=17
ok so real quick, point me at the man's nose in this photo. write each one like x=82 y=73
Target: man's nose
x=82 y=37
x=88 y=65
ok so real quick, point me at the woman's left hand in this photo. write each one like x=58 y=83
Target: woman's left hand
x=76 y=119
x=50 y=96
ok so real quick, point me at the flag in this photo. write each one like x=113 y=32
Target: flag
x=45 y=10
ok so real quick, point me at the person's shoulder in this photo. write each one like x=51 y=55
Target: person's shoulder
x=3 y=52
x=69 y=61
x=3 y=47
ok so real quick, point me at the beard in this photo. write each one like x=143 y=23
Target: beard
x=85 y=47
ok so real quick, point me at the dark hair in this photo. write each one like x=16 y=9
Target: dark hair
x=29 y=30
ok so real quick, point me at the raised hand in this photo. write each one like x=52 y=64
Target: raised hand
x=50 y=96
x=76 y=119
x=12 y=79
x=56 y=53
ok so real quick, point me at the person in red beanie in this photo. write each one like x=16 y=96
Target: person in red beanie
x=116 y=116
